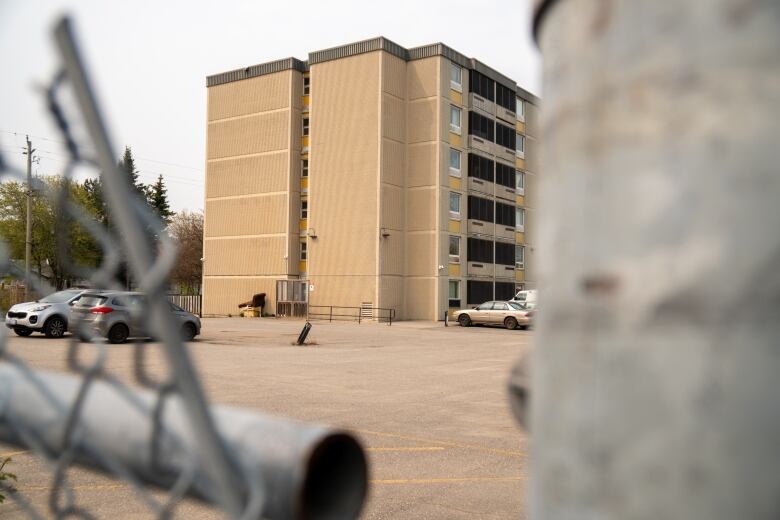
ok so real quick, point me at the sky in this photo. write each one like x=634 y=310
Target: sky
x=148 y=61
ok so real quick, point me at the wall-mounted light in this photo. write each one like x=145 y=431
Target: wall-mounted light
x=384 y=232
x=311 y=233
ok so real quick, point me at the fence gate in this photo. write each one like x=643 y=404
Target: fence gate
x=292 y=297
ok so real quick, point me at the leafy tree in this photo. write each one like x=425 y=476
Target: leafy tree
x=157 y=197
x=186 y=229
x=49 y=225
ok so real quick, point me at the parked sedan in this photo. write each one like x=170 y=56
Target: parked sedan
x=509 y=314
x=120 y=315
x=48 y=315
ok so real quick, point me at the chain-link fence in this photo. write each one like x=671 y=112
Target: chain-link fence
x=158 y=435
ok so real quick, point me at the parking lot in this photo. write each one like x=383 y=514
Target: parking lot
x=428 y=402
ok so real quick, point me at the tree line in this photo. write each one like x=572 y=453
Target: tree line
x=50 y=225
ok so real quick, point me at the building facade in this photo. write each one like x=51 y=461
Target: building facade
x=381 y=176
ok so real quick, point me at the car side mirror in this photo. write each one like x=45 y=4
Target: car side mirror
x=72 y=304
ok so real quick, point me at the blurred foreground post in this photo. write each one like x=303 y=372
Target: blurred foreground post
x=656 y=385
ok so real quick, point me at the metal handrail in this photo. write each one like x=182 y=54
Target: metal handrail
x=331 y=315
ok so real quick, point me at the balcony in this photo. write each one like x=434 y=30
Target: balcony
x=506 y=193
x=506 y=114
x=483 y=145
x=505 y=154
x=505 y=233
x=505 y=272
x=480 y=269
x=481 y=186
x=480 y=227
x=486 y=107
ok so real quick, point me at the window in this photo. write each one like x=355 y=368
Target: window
x=456 y=77
x=505 y=136
x=455 y=205
x=480 y=167
x=480 y=209
x=505 y=253
x=454 y=250
x=305 y=126
x=520 y=219
x=455 y=119
x=478 y=292
x=520 y=145
x=481 y=126
x=303 y=250
x=455 y=162
x=500 y=306
x=305 y=168
x=304 y=209
x=478 y=250
x=453 y=293
x=505 y=291
x=505 y=214
x=306 y=85
x=505 y=175
x=520 y=183
x=505 y=97
x=520 y=109
x=481 y=85
x=519 y=257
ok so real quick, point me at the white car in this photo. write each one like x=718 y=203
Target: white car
x=48 y=315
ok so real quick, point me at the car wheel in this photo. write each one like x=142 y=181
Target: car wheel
x=464 y=320
x=188 y=332
x=510 y=323
x=118 y=333
x=55 y=327
x=23 y=331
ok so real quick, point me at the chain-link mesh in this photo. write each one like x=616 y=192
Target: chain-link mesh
x=170 y=437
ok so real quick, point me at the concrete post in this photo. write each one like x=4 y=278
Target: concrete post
x=656 y=377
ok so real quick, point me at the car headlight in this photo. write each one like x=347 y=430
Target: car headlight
x=40 y=308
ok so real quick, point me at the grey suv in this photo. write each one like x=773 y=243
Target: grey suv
x=120 y=315
x=48 y=315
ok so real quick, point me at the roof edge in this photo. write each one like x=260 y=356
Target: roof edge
x=257 y=70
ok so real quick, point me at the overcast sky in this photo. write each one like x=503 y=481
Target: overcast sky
x=149 y=61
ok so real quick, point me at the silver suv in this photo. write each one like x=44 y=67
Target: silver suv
x=48 y=315
x=120 y=315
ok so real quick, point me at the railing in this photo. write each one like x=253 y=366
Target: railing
x=189 y=302
x=291 y=309
x=341 y=313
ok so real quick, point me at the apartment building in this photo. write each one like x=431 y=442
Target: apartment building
x=374 y=176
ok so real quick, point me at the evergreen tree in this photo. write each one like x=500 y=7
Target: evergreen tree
x=94 y=199
x=157 y=196
x=127 y=165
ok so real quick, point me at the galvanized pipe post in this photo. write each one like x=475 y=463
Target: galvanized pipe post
x=656 y=377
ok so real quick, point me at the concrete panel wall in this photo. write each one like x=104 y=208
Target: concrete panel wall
x=221 y=295
x=422 y=163
x=246 y=256
x=249 y=96
x=256 y=133
x=251 y=156
x=252 y=215
x=344 y=179
x=248 y=175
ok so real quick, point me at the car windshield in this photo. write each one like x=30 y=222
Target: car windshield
x=59 y=297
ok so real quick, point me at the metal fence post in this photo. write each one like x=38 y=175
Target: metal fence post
x=655 y=377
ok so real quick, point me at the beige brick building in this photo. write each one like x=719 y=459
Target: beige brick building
x=381 y=176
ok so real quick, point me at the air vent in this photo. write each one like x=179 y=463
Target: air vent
x=366 y=310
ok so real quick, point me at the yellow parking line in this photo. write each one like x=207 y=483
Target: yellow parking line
x=408 y=448
x=446 y=480
x=511 y=453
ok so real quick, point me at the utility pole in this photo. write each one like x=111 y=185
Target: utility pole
x=28 y=232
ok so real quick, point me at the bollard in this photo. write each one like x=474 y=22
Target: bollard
x=655 y=378
x=446 y=318
x=304 y=333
